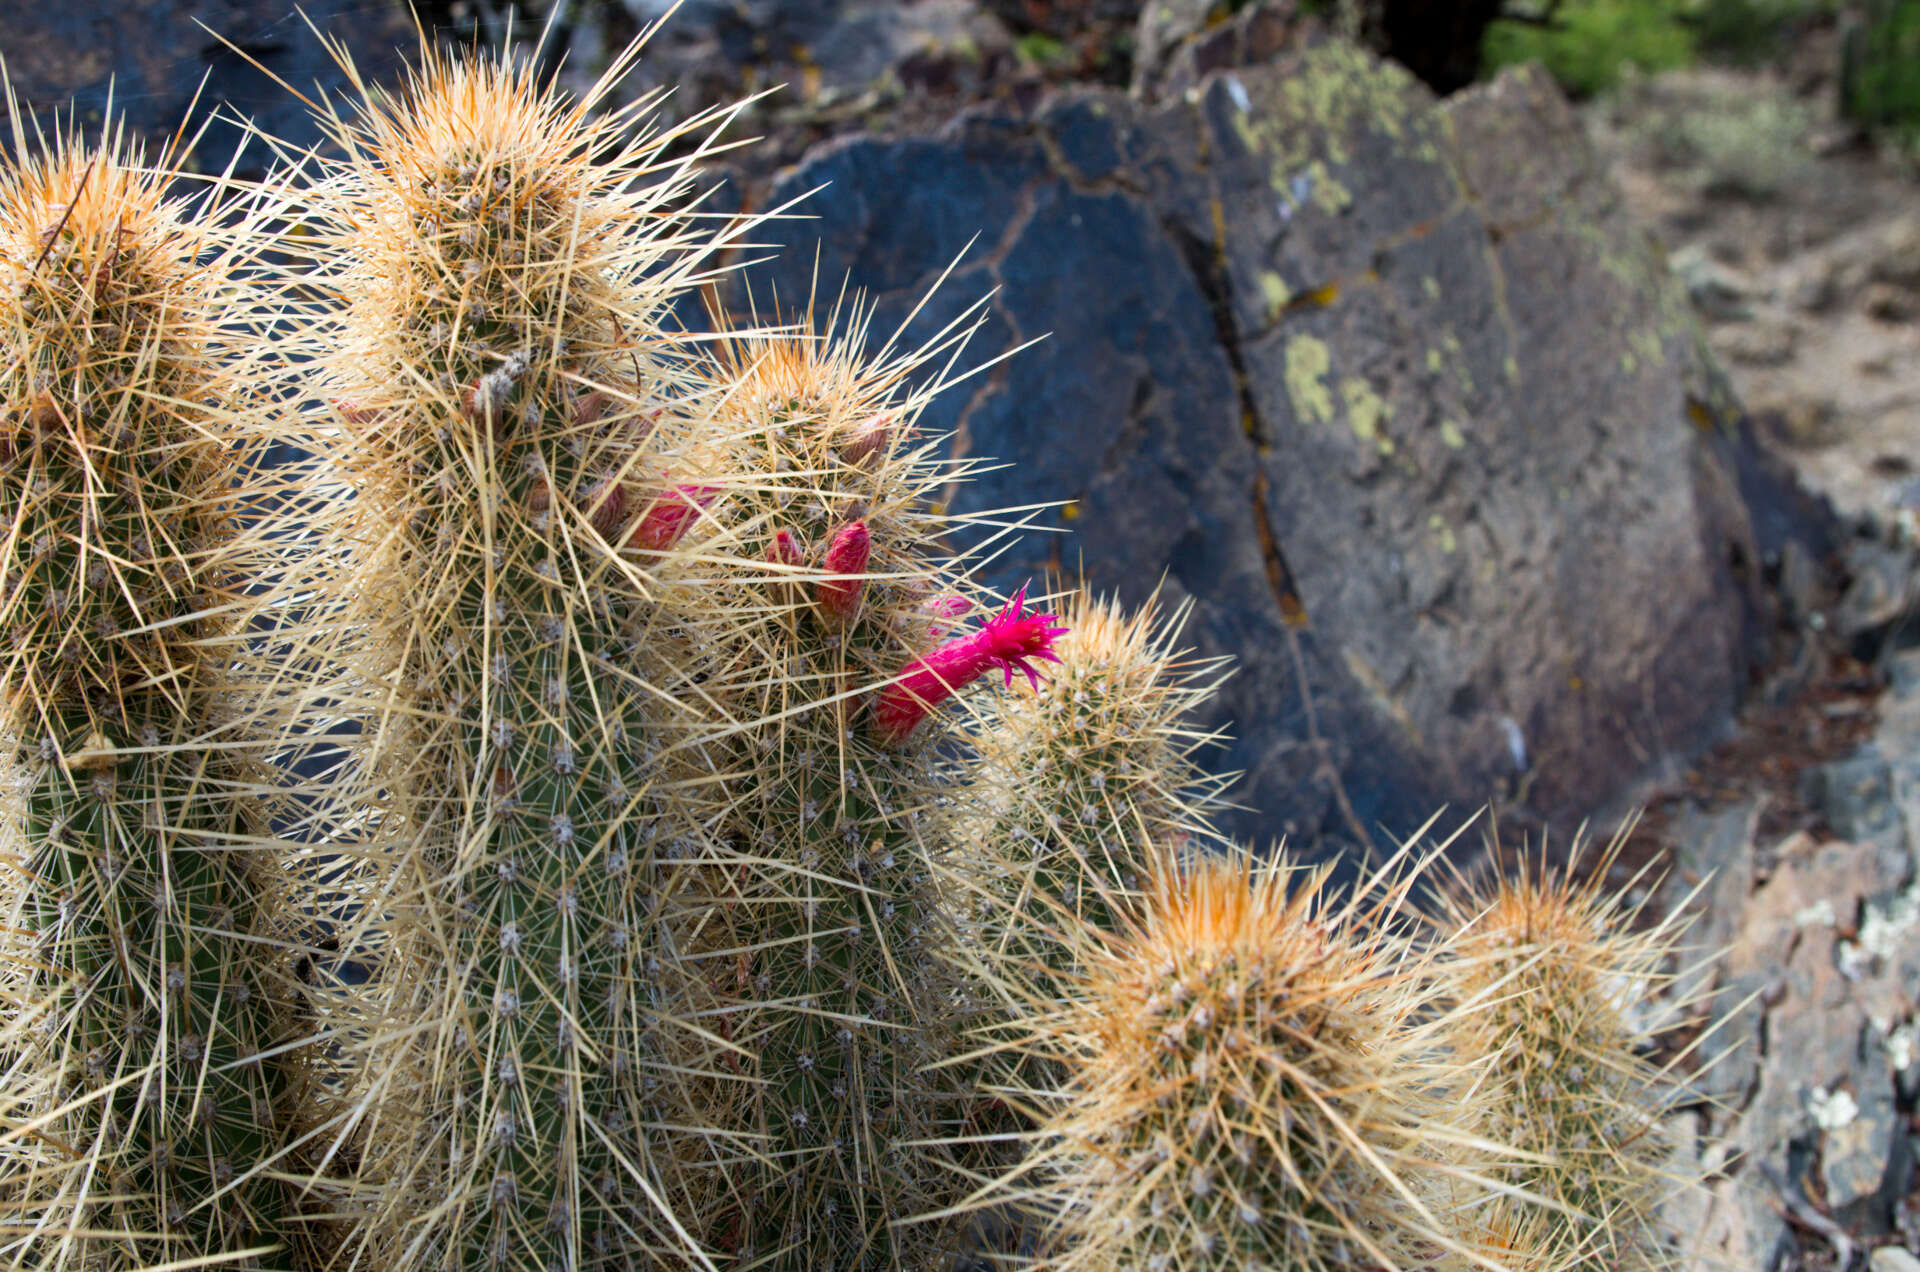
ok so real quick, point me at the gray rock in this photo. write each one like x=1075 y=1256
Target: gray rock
x=1393 y=389
x=1178 y=42
x=150 y=59
x=1718 y=291
x=1883 y=587
x=1893 y=1259
x=824 y=51
x=1818 y=989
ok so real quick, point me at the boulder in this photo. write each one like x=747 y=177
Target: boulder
x=1392 y=388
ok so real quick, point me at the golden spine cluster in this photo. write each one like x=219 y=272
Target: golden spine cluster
x=708 y=873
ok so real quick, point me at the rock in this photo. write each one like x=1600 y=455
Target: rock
x=1718 y=291
x=1178 y=42
x=1886 y=302
x=1759 y=343
x=1856 y=1149
x=1895 y=254
x=1814 y=289
x=1819 y=987
x=1392 y=389
x=151 y=58
x=838 y=65
x=1893 y=1259
x=1883 y=586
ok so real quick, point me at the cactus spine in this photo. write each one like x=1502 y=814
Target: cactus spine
x=1553 y=963
x=527 y=478
x=139 y=1116
x=825 y=920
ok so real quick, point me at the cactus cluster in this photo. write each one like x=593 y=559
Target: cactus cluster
x=710 y=873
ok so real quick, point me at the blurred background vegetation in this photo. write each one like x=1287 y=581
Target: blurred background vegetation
x=1590 y=44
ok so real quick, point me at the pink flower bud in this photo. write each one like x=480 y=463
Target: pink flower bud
x=607 y=503
x=1010 y=640
x=539 y=494
x=669 y=518
x=588 y=409
x=355 y=414
x=786 y=550
x=942 y=608
x=838 y=599
x=871 y=441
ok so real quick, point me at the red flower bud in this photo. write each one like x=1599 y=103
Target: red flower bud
x=942 y=608
x=608 y=503
x=589 y=408
x=669 y=517
x=539 y=494
x=838 y=598
x=871 y=441
x=785 y=550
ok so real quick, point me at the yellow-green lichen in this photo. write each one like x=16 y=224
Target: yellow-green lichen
x=1431 y=286
x=1451 y=343
x=1274 y=288
x=1451 y=435
x=1304 y=122
x=1366 y=412
x=1308 y=361
x=1443 y=536
x=1646 y=342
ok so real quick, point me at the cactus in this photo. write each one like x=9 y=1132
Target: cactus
x=1082 y=775
x=824 y=917
x=1553 y=964
x=522 y=442
x=1080 y=781
x=140 y=1121
x=1247 y=1080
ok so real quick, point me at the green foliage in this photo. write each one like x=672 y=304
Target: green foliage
x=1753 y=148
x=1880 y=76
x=1039 y=49
x=1588 y=41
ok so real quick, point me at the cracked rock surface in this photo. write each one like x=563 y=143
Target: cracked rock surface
x=1393 y=388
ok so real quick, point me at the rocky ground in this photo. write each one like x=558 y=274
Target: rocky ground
x=1799 y=246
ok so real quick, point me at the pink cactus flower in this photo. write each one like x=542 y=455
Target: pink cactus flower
x=670 y=517
x=838 y=598
x=1010 y=640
